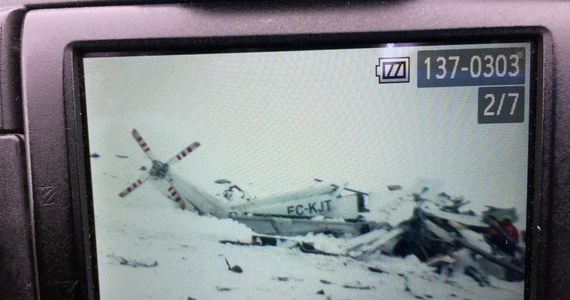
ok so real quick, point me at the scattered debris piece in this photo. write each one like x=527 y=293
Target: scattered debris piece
x=443 y=264
x=121 y=156
x=285 y=278
x=310 y=248
x=95 y=155
x=265 y=240
x=482 y=279
x=321 y=292
x=394 y=187
x=230 y=242
x=499 y=213
x=222 y=181
x=325 y=281
x=143 y=168
x=223 y=289
x=190 y=298
x=346 y=286
x=132 y=262
x=376 y=270
x=236 y=268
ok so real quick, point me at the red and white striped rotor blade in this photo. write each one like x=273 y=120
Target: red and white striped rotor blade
x=134 y=185
x=183 y=153
x=176 y=197
x=144 y=146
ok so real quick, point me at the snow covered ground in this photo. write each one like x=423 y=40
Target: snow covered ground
x=148 y=248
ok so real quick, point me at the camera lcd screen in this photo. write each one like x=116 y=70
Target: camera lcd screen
x=394 y=171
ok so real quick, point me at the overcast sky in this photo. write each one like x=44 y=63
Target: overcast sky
x=273 y=121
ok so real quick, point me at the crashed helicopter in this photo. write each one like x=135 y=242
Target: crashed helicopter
x=285 y=214
x=412 y=224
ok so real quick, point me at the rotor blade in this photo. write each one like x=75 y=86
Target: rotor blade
x=134 y=185
x=339 y=189
x=144 y=146
x=176 y=197
x=183 y=153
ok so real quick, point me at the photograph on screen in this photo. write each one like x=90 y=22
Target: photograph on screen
x=387 y=171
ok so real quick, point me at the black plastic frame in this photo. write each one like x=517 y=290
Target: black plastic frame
x=54 y=135
x=16 y=252
x=10 y=110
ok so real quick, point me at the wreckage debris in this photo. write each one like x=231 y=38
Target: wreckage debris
x=420 y=241
x=482 y=279
x=376 y=270
x=431 y=234
x=443 y=264
x=238 y=243
x=430 y=229
x=394 y=187
x=235 y=269
x=132 y=262
x=433 y=230
x=95 y=155
x=366 y=287
x=310 y=248
x=321 y=292
x=285 y=278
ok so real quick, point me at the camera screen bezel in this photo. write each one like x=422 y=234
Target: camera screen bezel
x=63 y=215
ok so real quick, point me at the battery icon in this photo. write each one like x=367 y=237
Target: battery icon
x=393 y=70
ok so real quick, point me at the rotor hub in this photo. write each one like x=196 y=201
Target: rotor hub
x=159 y=169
